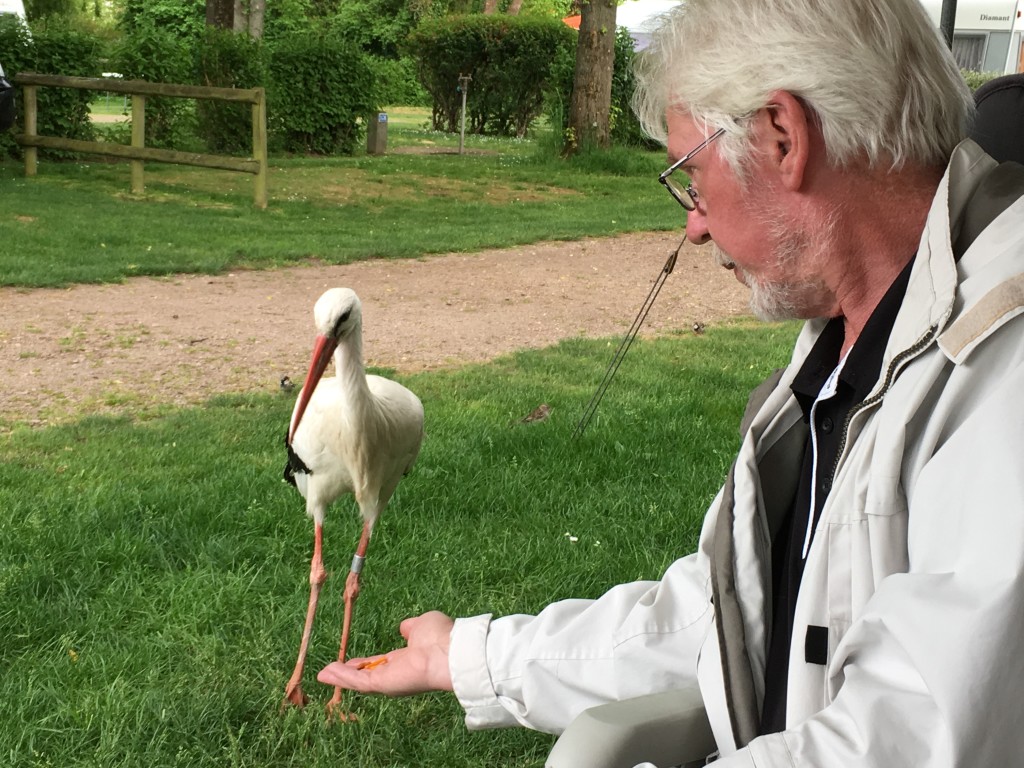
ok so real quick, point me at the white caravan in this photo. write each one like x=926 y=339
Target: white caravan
x=15 y=7
x=987 y=35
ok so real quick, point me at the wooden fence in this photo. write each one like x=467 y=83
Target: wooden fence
x=137 y=152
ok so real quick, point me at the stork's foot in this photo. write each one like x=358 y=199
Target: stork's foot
x=294 y=697
x=336 y=713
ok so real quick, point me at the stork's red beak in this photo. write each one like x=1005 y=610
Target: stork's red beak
x=322 y=353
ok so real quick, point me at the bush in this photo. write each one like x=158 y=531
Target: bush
x=184 y=19
x=16 y=47
x=159 y=56
x=56 y=47
x=977 y=79
x=228 y=60
x=624 y=127
x=320 y=90
x=509 y=58
x=397 y=83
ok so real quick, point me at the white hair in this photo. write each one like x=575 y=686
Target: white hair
x=875 y=74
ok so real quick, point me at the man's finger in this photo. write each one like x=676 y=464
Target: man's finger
x=348 y=676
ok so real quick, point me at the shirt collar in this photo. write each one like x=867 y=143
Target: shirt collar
x=864 y=361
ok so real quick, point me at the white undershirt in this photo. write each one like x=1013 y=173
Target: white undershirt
x=828 y=391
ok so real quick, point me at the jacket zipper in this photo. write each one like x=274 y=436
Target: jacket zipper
x=890 y=375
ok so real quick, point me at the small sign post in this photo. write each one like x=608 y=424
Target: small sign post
x=463 y=87
x=377 y=134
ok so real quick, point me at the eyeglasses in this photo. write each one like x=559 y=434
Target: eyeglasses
x=686 y=196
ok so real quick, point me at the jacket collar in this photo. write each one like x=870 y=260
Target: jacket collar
x=932 y=287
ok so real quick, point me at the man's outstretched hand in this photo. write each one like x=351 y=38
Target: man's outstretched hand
x=419 y=667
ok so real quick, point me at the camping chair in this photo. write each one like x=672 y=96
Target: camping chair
x=667 y=729
x=999 y=127
x=672 y=728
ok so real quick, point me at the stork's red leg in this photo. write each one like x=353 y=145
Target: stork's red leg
x=351 y=593
x=293 y=694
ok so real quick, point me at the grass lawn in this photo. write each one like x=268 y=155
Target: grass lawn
x=153 y=573
x=79 y=222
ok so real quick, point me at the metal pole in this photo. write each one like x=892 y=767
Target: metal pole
x=947 y=21
x=463 y=87
x=1010 y=65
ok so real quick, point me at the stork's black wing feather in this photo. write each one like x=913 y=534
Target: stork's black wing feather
x=295 y=464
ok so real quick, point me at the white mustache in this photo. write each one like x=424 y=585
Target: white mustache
x=720 y=257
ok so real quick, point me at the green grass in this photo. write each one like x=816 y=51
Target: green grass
x=78 y=222
x=153 y=572
x=111 y=104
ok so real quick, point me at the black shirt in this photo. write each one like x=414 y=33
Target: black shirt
x=859 y=374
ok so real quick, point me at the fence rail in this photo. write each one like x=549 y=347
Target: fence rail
x=137 y=152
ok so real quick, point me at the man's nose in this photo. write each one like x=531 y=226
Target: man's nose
x=697 y=227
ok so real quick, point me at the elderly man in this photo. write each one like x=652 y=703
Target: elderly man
x=857 y=597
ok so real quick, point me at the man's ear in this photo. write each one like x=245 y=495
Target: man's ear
x=786 y=138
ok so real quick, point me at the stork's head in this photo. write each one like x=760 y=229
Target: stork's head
x=337 y=314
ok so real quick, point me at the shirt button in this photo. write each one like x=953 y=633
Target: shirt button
x=826 y=484
x=827 y=425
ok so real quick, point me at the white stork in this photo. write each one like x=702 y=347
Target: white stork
x=353 y=434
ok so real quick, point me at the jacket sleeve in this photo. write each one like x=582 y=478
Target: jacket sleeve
x=541 y=671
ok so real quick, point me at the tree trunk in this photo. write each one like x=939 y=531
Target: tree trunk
x=490 y=7
x=249 y=15
x=257 y=13
x=241 y=17
x=590 y=105
x=220 y=13
x=514 y=7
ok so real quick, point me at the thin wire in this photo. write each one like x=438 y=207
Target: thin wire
x=627 y=342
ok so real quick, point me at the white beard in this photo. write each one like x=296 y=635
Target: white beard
x=788 y=298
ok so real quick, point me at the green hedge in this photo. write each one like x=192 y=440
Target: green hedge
x=397 y=83
x=16 y=46
x=509 y=58
x=977 y=79
x=228 y=60
x=321 y=88
x=55 y=45
x=159 y=55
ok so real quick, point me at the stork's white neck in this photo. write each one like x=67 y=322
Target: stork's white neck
x=349 y=367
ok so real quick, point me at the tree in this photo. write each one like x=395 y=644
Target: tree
x=249 y=15
x=242 y=16
x=491 y=7
x=590 y=105
x=220 y=14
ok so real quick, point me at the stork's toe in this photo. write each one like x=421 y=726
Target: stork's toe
x=294 y=697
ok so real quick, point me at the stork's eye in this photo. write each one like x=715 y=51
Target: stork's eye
x=341 y=321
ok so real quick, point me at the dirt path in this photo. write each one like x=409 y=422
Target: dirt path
x=179 y=340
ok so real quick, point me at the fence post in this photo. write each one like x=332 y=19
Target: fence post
x=31 y=109
x=138 y=140
x=259 y=147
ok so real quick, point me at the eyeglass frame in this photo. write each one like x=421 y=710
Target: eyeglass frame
x=688 y=196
